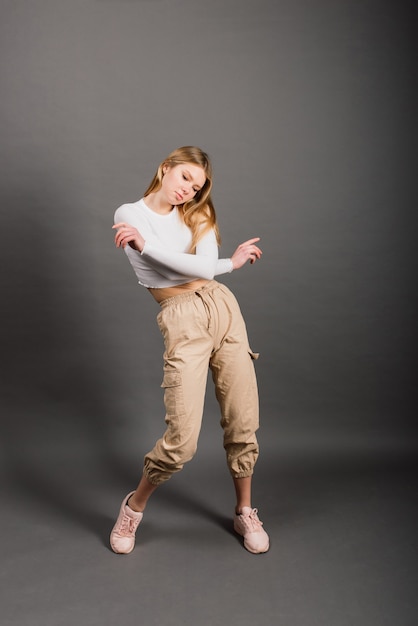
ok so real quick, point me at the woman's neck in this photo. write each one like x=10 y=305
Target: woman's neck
x=156 y=203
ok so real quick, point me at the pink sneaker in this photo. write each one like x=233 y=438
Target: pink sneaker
x=247 y=524
x=122 y=537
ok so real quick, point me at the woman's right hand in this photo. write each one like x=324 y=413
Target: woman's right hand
x=246 y=251
x=127 y=235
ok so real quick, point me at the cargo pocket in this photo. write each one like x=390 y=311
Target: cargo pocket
x=253 y=355
x=173 y=394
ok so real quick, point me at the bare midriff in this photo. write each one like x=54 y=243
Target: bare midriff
x=162 y=293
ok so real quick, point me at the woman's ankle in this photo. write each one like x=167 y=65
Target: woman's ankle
x=134 y=506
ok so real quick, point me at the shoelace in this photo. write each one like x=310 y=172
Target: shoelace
x=251 y=521
x=128 y=526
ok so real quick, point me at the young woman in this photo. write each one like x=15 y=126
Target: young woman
x=171 y=239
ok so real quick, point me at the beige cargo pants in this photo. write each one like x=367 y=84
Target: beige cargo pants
x=202 y=329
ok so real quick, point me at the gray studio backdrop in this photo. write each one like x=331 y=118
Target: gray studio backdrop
x=306 y=109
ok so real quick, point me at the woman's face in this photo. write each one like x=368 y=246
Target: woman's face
x=181 y=182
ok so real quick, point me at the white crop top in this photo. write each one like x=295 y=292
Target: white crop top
x=164 y=260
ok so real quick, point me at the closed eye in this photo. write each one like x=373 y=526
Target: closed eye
x=186 y=176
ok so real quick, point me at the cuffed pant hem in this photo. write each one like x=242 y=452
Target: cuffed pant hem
x=156 y=479
x=245 y=474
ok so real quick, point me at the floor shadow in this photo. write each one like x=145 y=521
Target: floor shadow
x=177 y=498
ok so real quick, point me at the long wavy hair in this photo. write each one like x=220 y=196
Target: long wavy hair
x=198 y=213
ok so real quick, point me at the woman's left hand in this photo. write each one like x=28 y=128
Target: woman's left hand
x=246 y=251
x=128 y=235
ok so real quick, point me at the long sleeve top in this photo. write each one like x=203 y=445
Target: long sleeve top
x=165 y=260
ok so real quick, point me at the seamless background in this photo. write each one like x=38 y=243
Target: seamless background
x=307 y=109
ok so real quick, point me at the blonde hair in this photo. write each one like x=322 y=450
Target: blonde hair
x=198 y=213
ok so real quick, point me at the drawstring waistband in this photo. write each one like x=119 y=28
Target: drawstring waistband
x=190 y=295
